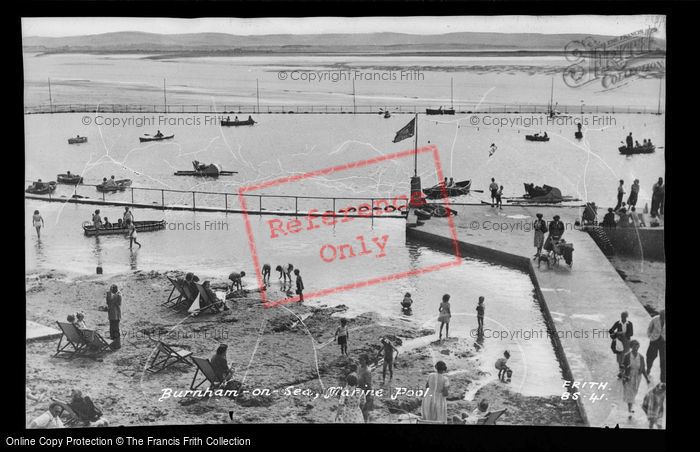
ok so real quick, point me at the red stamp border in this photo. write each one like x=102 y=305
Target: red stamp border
x=359 y=164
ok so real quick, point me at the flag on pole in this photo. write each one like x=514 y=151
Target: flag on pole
x=406 y=132
x=195 y=305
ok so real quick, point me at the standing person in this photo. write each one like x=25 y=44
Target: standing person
x=364 y=383
x=266 y=270
x=451 y=183
x=634 y=368
x=634 y=194
x=556 y=231
x=434 y=406
x=351 y=399
x=493 y=187
x=300 y=285
x=540 y=227
x=236 y=280
x=132 y=234
x=630 y=141
x=38 y=222
x=388 y=349
x=657 y=196
x=499 y=194
x=609 y=219
x=657 y=343
x=620 y=194
x=114 y=312
x=97 y=219
x=128 y=215
x=625 y=327
x=342 y=335
x=480 y=310
x=445 y=315
x=653 y=405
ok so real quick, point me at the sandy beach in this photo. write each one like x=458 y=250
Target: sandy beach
x=277 y=348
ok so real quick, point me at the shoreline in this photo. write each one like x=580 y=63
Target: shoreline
x=273 y=348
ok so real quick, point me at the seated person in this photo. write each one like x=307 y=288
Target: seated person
x=106 y=223
x=86 y=410
x=49 y=419
x=110 y=183
x=407 y=301
x=213 y=299
x=636 y=143
x=609 y=219
x=80 y=321
x=479 y=412
x=159 y=134
x=545 y=134
x=624 y=220
x=120 y=223
x=220 y=365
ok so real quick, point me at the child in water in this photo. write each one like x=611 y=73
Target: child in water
x=341 y=336
x=504 y=371
x=266 y=270
x=406 y=302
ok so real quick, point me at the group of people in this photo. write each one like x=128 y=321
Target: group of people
x=496 y=194
x=630 y=141
x=627 y=212
x=555 y=230
x=285 y=274
x=127 y=221
x=632 y=366
x=82 y=407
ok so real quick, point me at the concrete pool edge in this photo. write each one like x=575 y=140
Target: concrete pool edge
x=510 y=260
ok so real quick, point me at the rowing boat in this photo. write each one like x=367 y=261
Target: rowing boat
x=204 y=170
x=645 y=149
x=141 y=226
x=77 y=140
x=41 y=188
x=536 y=138
x=72 y=179
x=147 y=137
x=439 y=111
x=121 y=184
x=440 y=191
x=236 y=123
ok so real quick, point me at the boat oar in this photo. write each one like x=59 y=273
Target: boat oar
x=477 y=191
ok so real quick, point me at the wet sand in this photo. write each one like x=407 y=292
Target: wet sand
x=289 y=345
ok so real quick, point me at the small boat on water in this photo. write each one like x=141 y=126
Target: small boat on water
x=387 y=114
x=439 y=111
x=235 y=123
x=578 y=135
x=541 y=195
x=77 y=140
x=537 y=137
x=41 y=188
x=439 y=191
x=121 y=184
x=534 y=191
x=68 y=178
x=141 y=226
x=204 y=170
x=644 y=149
x=146 y=137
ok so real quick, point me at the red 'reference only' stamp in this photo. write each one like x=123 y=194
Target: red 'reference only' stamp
x=314 y=219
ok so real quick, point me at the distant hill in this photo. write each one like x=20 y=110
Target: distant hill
x=373 y=43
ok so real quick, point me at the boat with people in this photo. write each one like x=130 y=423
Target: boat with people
x=440 y=190
x=68 y=178
x=537 y=137
x=205 y=170
x=642 y=149
x=41 y=188
x=157 y=137
x=235 y=123
x=440 y=111
x=534 y=191
x=121 y=228
x=114 y=185
x=77 y=140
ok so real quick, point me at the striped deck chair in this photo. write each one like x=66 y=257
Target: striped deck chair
x=166 y=356
x=74 y=344
x=491 y=418
x=205 y=367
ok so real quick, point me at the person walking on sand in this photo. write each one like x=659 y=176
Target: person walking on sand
x=300 y=285
x=388 y=349
x=620 y=194
x=625 y=327
x=132 y=234
x=342 y=335
x=114 y=313
x=364 y=383
x=38 y=222
x=351 y=399
x=540 y=228
x=493 y=187
x=634 y=194
x=634 y=368
x=480 y=310
x=653 y=405
x=434 y=406
x=657 y=343
x=445 y=315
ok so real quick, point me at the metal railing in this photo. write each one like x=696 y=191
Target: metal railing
x=492 y=108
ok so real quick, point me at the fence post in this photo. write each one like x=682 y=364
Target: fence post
x=162 y=198
x=132 y=196
x=334 y=205
x=260 y=204
x=225 y=201
x=103 y=196
x=296 y=206
x=194 y=204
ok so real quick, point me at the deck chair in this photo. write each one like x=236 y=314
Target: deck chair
x=96 y=344
x=175 y=295
x=423 y=421
x=69 y=417
x=74 y=345
x=491 y=417
x=204 y=366
x=166 y=356
x=188 y=297
x=211 y=305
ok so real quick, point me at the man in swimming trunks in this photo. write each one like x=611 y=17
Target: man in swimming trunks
x=388 y=349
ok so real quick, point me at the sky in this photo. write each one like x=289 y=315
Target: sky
x=594 y=25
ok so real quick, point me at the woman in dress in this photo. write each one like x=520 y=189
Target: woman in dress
x=351 y=399
x=38 y=222
x=634 y=369
x=444 y=317
x=132 y=234
x=434 y=407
